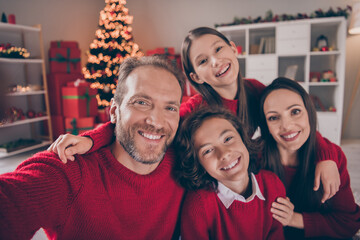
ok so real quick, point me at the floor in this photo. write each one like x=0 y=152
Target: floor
x=351 y=149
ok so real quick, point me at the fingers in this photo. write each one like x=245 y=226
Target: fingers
x=327 y=192
x=282 y=210
x=316 y=181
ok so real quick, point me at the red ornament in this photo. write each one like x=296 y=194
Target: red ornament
x=30 y=114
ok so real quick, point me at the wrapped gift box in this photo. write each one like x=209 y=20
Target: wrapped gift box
x=64 y=44
x=78 y=125
x=161 y=51
x=55 y=82
x=79 y=100
x=64 y=60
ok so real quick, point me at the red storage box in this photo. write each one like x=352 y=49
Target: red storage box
x=78 y=125
x=64 y=44
x=64 y=60
x=55 y=82
x=79 y=100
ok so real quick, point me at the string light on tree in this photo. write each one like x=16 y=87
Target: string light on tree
x=113 y=44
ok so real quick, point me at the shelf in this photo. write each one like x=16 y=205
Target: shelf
x=241 y=56
x=40 y=92
x=323 y=84
x=17 y=28
x=42 y=144
x=20 y=60
x=324 y=53
x=20 y=122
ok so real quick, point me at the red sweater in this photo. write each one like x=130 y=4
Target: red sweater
x=204 y=216
x=343 y=218
x=94 y=197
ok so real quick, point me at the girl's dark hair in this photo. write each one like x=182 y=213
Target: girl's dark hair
x=189 y=172
x=211 y=97
x=302 y=195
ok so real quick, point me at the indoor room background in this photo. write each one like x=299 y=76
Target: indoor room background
x=164 y=23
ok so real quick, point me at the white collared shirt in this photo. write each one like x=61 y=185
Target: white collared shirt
x=227 y=196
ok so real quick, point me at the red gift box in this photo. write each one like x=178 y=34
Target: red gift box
x=64 y=44
x=163 y=51
x=78 y=125
x=79 y=100
x=57 y=125
x=65 y=60
x=55 y=82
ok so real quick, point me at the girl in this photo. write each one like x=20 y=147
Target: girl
x=211 y=65
x=227 y=198
x=289 y=130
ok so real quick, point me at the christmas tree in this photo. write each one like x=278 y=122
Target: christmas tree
x=113 y=44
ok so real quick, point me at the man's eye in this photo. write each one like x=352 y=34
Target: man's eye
x=218 y=48
x=172 y=109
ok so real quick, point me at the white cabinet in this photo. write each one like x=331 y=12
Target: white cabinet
x=30 y=73
x=291 y=47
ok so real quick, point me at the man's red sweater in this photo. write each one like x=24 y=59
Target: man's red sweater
x=204 y=216
x=94 y=197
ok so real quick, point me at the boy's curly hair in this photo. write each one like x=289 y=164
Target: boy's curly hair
x=189 y=172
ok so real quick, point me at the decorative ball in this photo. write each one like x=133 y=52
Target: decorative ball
x=30 y=114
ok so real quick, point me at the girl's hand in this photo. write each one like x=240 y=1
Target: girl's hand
x=283 y=210
x=328 y=173
x=66 y=146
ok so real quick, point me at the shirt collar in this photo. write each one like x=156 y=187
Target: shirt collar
x=227 y=196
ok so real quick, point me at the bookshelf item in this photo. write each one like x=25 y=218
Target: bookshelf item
x=284 y=45
x=26 y=90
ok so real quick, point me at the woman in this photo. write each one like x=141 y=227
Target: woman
x=289 y=123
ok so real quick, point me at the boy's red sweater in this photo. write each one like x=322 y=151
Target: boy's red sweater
x=204 y=216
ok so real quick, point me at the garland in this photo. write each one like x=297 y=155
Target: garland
x=9 y=51
x=269 y=17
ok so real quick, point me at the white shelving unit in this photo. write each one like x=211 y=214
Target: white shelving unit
x=24 y=72
x=293 y=43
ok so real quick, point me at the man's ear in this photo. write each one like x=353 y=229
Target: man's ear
x=113 y=107
x=196 y=78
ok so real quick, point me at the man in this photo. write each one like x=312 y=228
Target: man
x=123 y=191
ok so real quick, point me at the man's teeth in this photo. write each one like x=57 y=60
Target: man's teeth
x=290 y=135
x=231 y=165
x=223 y=71
x=150 y=136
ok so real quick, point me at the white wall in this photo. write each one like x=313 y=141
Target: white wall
x=164 y=23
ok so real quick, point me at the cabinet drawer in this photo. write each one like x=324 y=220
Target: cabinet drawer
x=261 y=62
x=293 y=31
x=293 y=46
x=264 y=76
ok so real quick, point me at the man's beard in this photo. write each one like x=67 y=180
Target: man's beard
x=126 y=138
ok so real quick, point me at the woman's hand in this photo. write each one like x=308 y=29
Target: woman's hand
x=283 y=211
x=66 y=146
x=327 y=171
